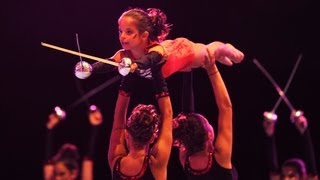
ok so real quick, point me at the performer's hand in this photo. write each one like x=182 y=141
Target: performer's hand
x=95 y=116
x=269 y=127
x=133 y=67
x=53 y=120
x=210 y=63
x=301 y=123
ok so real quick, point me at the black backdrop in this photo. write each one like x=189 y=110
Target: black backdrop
x=34 y=79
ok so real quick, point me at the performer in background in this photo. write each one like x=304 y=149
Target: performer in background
x=143 y=33
x=140 y=146
x=201 y=156
x=293 y=168
x=65 y=164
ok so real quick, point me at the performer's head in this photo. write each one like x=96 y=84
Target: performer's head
x=66 y=162
x=137 y=25
x=142 y=126
x=193 y=132
x=293 y=169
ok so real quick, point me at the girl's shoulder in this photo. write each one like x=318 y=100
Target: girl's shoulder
x=121 y=54
x=157 y=47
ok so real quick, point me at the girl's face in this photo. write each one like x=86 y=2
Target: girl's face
x=61 y=172
x=289 y=173
x=129 y=35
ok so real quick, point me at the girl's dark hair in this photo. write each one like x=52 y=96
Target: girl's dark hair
x=152 y=20
x=189 y=131
x=142 y=124
x=68 y=154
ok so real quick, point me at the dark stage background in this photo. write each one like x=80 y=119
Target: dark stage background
x=34 y=79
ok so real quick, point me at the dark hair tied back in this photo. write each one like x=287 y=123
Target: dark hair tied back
x=188 y=131
x=159 y=21
x=143 y=123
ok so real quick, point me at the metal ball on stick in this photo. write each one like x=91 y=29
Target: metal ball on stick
x=125 y=66
x=270 y=116
x=107 y=61
x=60 y=113
x=82 y=69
